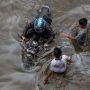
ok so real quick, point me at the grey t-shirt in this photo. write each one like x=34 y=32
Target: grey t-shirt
x=79 y=34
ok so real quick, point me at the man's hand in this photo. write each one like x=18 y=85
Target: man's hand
x=23 y=37
x=46 y=45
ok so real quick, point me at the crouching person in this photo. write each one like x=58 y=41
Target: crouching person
x=58 y=64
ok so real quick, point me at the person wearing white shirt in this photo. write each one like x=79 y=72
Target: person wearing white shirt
x=58 y=64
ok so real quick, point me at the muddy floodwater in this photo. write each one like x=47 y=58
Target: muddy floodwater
x=14 y=15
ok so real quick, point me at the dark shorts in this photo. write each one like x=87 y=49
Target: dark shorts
x=63 y=73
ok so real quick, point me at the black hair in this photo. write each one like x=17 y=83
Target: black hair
x=57 y=52
x=83 y=21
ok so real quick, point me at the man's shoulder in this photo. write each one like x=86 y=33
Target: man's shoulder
x=65 y=57
x=53 y=59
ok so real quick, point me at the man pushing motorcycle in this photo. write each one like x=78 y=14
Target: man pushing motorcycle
x=40 y=27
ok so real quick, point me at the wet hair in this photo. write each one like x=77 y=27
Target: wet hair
x=57 y=52
x=83 y=21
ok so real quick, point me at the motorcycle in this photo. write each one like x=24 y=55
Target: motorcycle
x=31 y=52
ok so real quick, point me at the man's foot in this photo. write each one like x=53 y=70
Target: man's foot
x=45 y=82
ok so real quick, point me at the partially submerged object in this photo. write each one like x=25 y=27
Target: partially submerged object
x=77 y=46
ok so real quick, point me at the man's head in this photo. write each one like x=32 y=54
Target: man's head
x=57 y=52
x=39 y=24
x=83 y=22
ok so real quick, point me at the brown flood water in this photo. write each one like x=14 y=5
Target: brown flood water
x=13 y=17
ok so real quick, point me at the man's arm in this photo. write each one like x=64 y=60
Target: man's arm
x=27 y=28
x=69 y=59
x=67 y=35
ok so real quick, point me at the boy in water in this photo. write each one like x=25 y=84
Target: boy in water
x=58 y=64
x=79 y=32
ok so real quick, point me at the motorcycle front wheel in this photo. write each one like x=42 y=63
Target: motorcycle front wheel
x=28 y=61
